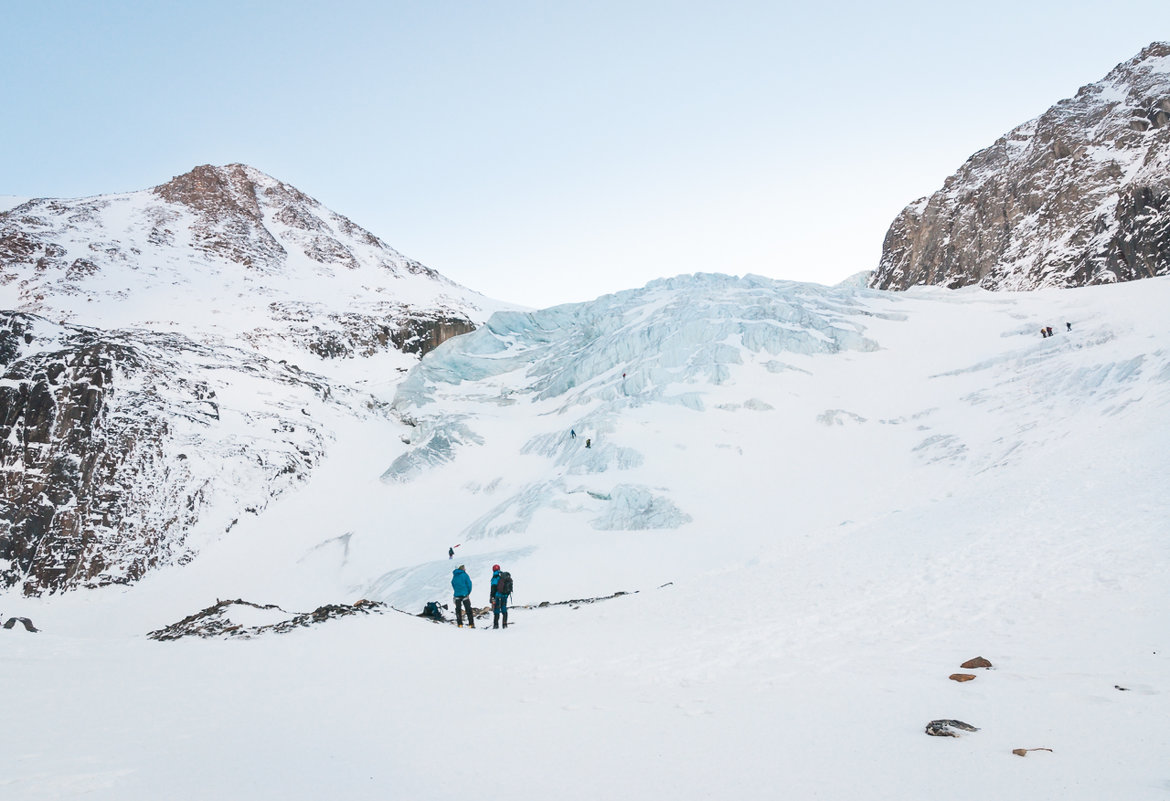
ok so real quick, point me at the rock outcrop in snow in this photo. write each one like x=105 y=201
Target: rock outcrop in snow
x=120 y=450
x=1080 y=195
x=245 y=620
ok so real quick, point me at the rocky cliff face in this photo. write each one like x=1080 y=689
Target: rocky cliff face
x=1078 y=196
x=118 y=454
x=149 y=348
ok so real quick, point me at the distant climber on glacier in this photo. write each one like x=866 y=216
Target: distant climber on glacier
x=450 y=553
x=461 y=586
x=501 y=589
x=1069 y=326
x=572 y=433
x=588 y=443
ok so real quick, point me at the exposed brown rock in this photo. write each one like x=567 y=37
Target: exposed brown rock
x=1024 y=751
x=977 y=662
x=962 y=677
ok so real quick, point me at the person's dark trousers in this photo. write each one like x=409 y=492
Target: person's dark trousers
x=461 y=603
x=499 y=609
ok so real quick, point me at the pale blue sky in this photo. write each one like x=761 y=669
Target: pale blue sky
x=545 y=152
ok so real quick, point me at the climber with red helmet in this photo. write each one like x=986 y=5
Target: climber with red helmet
x=501 y=588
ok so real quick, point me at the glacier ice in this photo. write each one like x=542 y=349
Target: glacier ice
x=667 y=343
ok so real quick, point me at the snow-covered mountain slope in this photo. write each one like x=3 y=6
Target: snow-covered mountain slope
x=174 y=358
x=1077 y=196
x=227 y=254
x=711 y=414
x=822 y=501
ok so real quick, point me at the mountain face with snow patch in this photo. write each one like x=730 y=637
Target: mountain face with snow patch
x=175 y=358
x=1077 y=196
x=227 y=253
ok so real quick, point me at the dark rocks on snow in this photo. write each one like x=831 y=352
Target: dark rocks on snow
x=215 y=620
x=946 y=728
x=28 y=624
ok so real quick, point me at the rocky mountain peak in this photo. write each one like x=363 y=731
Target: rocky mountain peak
x=217 y=191
x=1080 y=195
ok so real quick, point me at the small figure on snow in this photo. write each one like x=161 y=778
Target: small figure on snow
x=501 y=589
x=572 y=433
x=588 y=443
x=1049 y=330
x=461 y=586
x=1044 y=332
x=450 y=553
x=1069 y=326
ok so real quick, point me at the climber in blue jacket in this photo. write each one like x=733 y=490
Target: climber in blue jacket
x=461 y=586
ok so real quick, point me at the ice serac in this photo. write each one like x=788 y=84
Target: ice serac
x=175 y=358
x=584 y=366
x=1077 y=196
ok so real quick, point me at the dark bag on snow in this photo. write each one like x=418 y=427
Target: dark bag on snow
x=432 y=610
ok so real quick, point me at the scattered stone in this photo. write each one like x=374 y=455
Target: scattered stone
x=977 y=662
x=962 y=677
x=1115 y=686
x=575 y=602
x=28 y=625
x=1024 y=751
x=946 y=728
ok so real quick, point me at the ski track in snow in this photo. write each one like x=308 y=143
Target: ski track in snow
x=859 y=520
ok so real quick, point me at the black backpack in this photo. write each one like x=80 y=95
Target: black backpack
x=432 y=610
x=504 y=585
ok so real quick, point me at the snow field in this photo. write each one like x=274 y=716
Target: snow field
x=965 y=489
